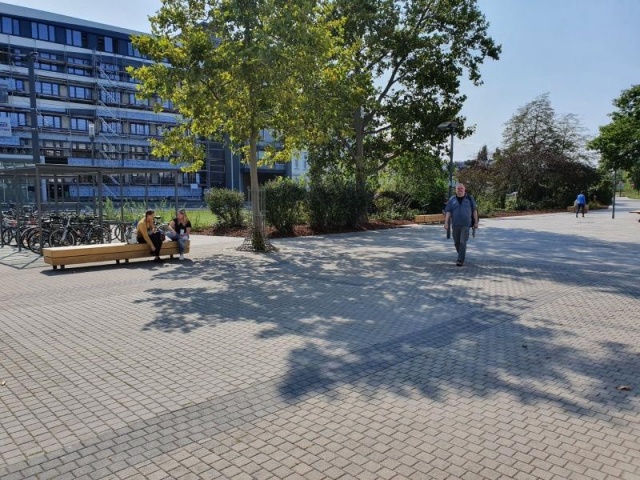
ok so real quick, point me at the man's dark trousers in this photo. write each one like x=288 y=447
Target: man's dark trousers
x=460 y=238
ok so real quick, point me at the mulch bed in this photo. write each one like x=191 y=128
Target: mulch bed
x=307 y=231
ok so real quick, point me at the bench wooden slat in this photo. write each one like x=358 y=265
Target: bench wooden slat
x=77 y=254
x=430 y=218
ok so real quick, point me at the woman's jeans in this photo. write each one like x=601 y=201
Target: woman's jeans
x=180 y=238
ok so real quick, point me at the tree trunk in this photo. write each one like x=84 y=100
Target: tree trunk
x=257 y=231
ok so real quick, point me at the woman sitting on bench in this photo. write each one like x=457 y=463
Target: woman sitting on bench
x=147 y=233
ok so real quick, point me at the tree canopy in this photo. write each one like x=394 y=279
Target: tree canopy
x=238 y=68
x=619 y=141
x=407 y=61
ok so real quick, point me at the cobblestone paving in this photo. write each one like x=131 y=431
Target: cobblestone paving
x=365 y=356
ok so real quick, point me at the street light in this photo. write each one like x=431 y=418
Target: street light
x=450 y=126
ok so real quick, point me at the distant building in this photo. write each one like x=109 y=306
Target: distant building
x=88 y=113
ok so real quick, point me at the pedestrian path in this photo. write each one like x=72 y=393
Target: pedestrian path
x=367 y=355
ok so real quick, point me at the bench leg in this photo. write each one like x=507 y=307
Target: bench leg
x=55 y=267
x=61 y=267
x=117 y=262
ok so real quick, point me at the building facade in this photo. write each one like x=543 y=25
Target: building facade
x=88 y=112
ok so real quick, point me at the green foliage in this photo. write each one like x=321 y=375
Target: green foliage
x=335 y=202
x=285 y=204
x=227 y=205
x=418 y=176
x=619 y=141
x=407 y=59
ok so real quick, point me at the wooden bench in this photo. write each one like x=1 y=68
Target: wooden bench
x=635 y=211
x=76 y=254
x=430 y=219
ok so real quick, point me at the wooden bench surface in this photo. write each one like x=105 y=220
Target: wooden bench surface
x=635 y=211
x=77 y=254
x=431 y=218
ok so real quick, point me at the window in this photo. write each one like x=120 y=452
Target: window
x=19 y=86
x=140 y=102
x=10 y=26
x=105 y=44
x=111 y=127
x=42 y=31
x=133 y=52
x=110 y=96
x=139 y=129
x=49 y=121
x=109 y=70
x=83 y=93
x=47 y=88
x=18 y=119
x=83 y=68
x=47 y=61
x=168 y=104
x=75 y=38
x=80 y=124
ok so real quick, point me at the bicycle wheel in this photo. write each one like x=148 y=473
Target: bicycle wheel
x=9 y=236
x=58 y=238
x=34 y=241
x=99 y=235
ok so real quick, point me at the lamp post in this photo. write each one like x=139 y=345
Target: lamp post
x=450 y=126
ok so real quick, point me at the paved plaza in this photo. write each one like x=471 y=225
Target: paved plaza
x=364 y=356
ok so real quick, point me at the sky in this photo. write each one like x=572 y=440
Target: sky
x=583 y=53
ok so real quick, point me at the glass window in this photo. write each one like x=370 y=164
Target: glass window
x=20 y=85
x=18 y=119
x=105 y=44
x=74 y=37
x=111 y=127
x=110 y=96
x=109 y=70
x=140 y=102
x=80 y=124
x=42 y=31
x=139 y=129
x=83 y=93
x=48 y=88
x=10 y=26
x=49 y=121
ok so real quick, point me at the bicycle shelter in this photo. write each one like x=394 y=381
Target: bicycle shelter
x=42 y=171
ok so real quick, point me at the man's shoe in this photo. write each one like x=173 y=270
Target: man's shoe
x=157 y=260
x=459 y=263
x=181 y=256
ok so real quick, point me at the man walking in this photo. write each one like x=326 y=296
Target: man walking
x=462 y=212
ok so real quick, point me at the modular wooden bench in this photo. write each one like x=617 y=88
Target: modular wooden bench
x=77 y=254
x=429 y=219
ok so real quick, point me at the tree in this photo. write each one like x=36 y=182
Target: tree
x=477 y=174
x=619 y=140
x=407 y=59
x=238 y=68
x=544 y=157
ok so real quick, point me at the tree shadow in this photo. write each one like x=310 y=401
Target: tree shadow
x=374 y=303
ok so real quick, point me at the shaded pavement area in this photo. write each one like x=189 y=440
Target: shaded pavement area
x=365 y=356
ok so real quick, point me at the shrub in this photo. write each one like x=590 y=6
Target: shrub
x=334 y=202
x=227 y=205
x=285 y=203
x=393 y=205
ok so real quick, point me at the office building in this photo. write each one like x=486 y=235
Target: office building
x=88 y=113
